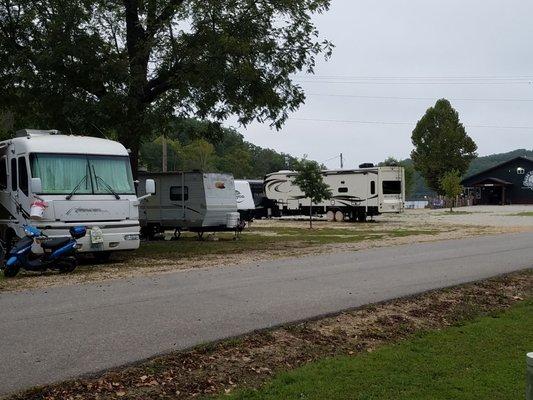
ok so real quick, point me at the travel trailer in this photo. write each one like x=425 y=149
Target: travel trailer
x=356 y=193
x=245 y=200
x=193 y=201
x=54 y=182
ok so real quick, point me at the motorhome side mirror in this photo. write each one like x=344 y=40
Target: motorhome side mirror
x=150 y=186
x=36 y=185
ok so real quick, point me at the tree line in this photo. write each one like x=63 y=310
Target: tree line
x=198 y=145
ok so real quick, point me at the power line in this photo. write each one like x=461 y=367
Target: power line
x=417 y=98
x=404 y=123
x=471 y=77
x=516 y=82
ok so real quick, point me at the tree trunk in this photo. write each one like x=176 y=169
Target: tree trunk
x=311 y=215
x=130 y=137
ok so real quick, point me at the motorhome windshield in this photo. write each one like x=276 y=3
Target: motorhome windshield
x=61 y=173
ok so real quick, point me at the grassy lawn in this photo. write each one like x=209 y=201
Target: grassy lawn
x=483 y=359
x=262 y=238
x=523 y=214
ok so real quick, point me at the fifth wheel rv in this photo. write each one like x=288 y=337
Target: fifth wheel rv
x=54 y=182
x=356 y=193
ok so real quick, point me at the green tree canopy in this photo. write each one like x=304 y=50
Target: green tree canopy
x=310 y=181
x=128 y=68
x=441 y=144
x=451 y=186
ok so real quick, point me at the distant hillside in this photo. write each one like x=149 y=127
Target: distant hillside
x=479 y=164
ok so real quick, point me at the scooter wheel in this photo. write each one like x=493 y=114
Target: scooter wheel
x=11 y=272
x=67 y=265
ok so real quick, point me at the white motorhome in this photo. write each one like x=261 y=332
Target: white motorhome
x=194 y=201
x=356 y=193
x=79 y=180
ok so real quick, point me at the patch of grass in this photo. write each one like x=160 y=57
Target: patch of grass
x=261 y=239
x=458 y=212
x=523 y=214
x=483 y=359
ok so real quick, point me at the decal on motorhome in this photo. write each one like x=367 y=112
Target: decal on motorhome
x=79 y=210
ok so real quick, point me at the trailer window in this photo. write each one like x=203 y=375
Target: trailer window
x=23 y=176
x=3 y=173
x=175 y=193
x=373 y=187
x=343 y=190
x=392 y=187
x=13 y=174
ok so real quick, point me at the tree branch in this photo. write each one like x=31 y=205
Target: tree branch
x=164 y=17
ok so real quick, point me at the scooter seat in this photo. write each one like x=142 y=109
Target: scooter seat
x=55 y=243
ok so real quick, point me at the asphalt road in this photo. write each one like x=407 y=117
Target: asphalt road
x=57 y=333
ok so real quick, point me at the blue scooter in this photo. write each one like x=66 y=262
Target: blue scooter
x=58 y=253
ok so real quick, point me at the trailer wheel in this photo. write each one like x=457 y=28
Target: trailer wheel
x=330 y=216
x=339 y=216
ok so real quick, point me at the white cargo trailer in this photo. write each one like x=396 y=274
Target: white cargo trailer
x=193 y=201
x=356 y=193
x=69 y=180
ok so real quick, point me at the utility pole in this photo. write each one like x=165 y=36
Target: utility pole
x=342 y=163
x=164 y=157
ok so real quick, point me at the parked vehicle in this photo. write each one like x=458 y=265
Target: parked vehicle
x=54 y=182
x=356 y=193
x=264 y=207
x=245 y=200
x=193 y=201
x=57 y=254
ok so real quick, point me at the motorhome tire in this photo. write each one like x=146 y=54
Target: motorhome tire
x=67 y=265
x=330 y=215
x=339 y=216
x=102 y=256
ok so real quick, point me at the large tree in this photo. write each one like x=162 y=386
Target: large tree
x=441 y=144
x=126 y=68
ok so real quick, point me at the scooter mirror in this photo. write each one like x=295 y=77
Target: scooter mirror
x=36 y=185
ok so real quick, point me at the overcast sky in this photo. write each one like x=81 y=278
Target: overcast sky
x=469 y=51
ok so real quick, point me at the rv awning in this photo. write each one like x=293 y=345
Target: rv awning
x=492 y=182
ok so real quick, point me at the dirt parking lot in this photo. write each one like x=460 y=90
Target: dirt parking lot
x=271 y=239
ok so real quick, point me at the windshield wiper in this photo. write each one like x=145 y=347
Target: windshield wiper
x=69 y=196
x=106 y=185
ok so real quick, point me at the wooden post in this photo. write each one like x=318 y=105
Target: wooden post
x=164 y=157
